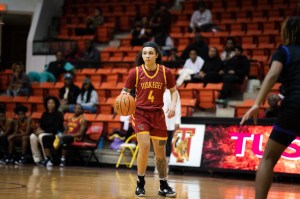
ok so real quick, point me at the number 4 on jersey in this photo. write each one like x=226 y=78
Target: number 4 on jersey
x=151 y=96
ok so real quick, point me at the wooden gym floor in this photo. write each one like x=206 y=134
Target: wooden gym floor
x=105 y=183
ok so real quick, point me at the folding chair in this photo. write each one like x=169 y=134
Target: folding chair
x=133 y=148
x=93 y=135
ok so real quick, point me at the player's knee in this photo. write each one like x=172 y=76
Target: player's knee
x=145 y=146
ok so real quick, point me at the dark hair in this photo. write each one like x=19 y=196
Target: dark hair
x=90 y=89
x=2 y=109
x=55 y=99
x=239 y=48
x=139 y=58
x=290 y=31
x=201 y=4
x=20 y=108
x=194 y=49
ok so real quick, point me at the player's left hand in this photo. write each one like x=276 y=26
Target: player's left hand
x=253 y=111
x=171 y=111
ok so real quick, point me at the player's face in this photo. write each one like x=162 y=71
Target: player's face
x=21 y=115
x=77 y=109
x=149 y=55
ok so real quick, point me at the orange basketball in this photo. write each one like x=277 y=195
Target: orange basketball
x=124 y=105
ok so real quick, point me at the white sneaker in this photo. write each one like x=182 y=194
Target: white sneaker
x=49 y=163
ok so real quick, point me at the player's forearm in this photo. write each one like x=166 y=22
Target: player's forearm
x=174 y=97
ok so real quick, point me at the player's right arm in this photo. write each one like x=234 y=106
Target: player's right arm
x=130 y=82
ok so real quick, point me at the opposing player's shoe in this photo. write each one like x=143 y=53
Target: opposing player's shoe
x=140 y=188
x=166 y=191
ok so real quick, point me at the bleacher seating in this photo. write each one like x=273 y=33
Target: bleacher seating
x=255 y=24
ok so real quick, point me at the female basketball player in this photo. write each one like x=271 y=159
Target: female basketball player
x=150 y=79
x=286 y=65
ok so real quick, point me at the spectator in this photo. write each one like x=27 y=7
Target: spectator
x=210 y=72
x=69 y=93
x=23 y=127
x=91 y=54
x=51 y=123
x=92 y=22
x=73 y=53
x=74 y=131
x=201 y=19
x=192 y=67
x=19 y=84
x=234 y=72
x=164 y=41
x=53 y=71
x=172 y=56
x=273 y=101
x=6 y=129
x=88 y=97
x=140 y=34
x=199 y=45
x=161 y=20
x=228 y=52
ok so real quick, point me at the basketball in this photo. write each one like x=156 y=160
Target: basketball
x=124 y=105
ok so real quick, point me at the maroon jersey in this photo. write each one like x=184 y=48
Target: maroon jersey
x=74 y=124
x=150 y=86
x=22 y=126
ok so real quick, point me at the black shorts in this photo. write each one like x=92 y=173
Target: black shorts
x=282 y=136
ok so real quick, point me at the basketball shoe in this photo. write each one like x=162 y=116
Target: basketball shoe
x=140 y=188
x=166 y=190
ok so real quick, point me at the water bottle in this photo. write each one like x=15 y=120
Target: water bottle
x=101 y=143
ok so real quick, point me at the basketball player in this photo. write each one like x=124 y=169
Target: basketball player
x=6 y=128
x=75 y=128
x=149 y=80
x=285 y=64
x=23 y=127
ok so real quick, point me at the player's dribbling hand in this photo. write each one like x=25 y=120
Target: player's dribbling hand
x=171 y=111
x=253 y=111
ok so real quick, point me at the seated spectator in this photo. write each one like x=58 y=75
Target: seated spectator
x=7 y=126
x=164 y=41
x=88 y=97
x=92 y=55
x=172 y=56
x=73 y=54
x=210 y=72
x=53 y=71
x=140 y=34
x=273 y=101
x=74 y=131
x=51 y=123
x=68 y=94
x=92 y=22
x=201 y=19
x=228 y=52
x=192 y=67
x=234 y=72
x=161 y=20
x=19 y=84
x=199 y=45
x=24 y=126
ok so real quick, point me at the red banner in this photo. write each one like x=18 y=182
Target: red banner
x=241 y=148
